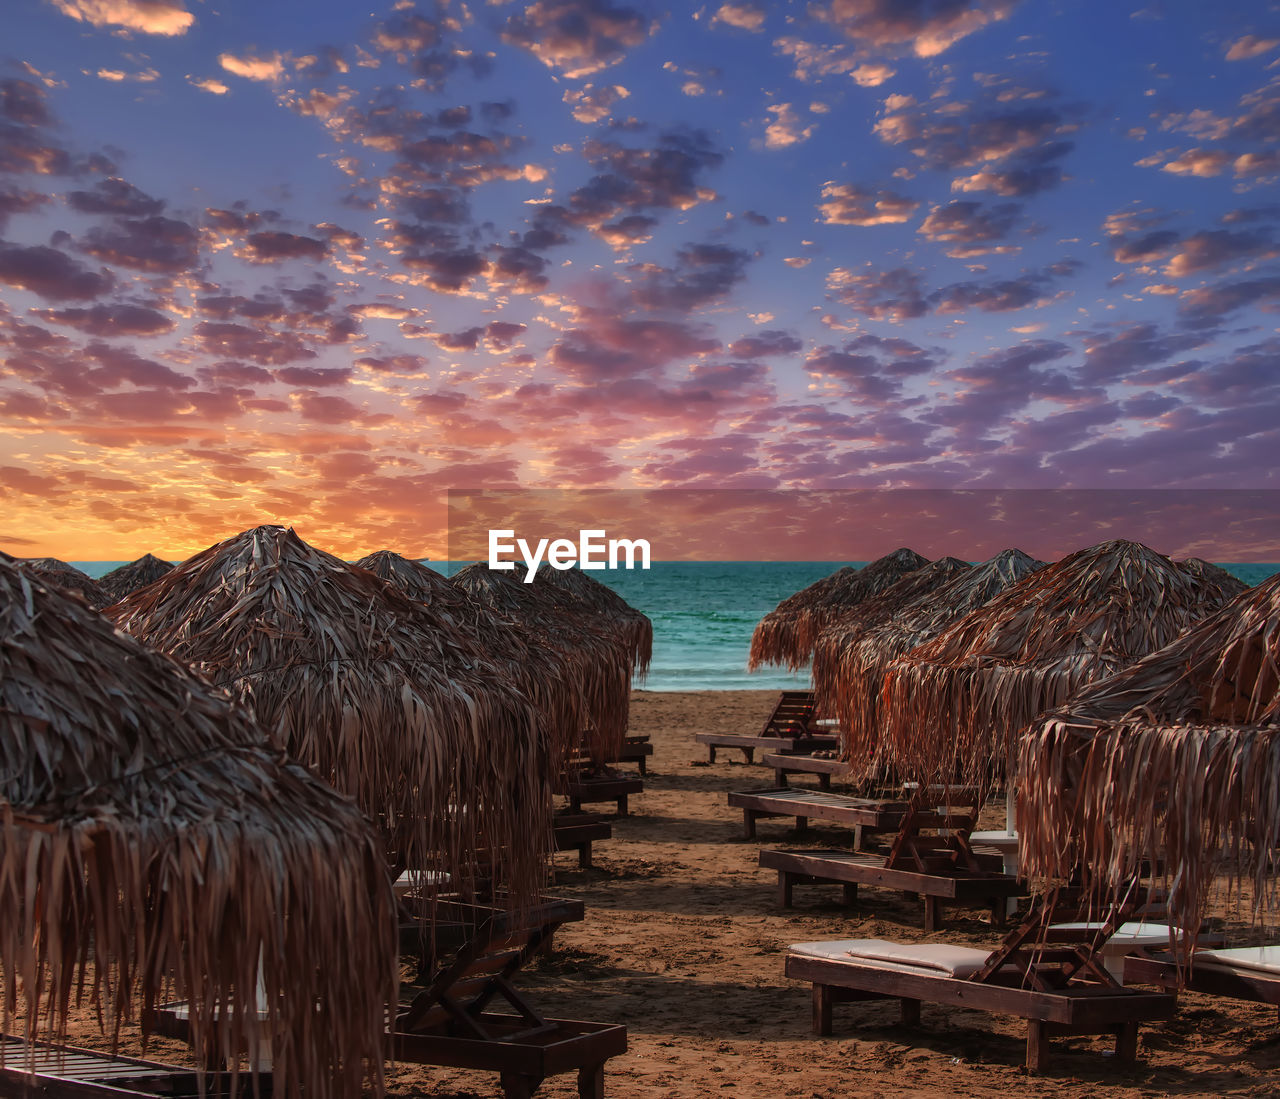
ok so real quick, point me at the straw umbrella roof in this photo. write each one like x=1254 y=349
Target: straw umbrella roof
x=564 y=627
x=129 y=578
x=1177 y=755
x=843 y=632
x=634 y=626
x=67 y=577
x=542 y=674
x=961 y=699
x=1205 y=570
x=849 y=686
x=377 y=693
x=147 y=826
x=787 y=634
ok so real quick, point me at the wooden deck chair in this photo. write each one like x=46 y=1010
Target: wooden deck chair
x=1057 y=981
x=453 y=1021
x=67 y=1072
x=792 y=727
x=931 y=856
x=1241 y=973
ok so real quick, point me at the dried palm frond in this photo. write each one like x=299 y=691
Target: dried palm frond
x=843 y=632
x=851 y=689
x=786 y=635
x=542 y=673
x=147 y=826
x=67 y=577
x=1215 y=574
x=375 y=692
x=561 y=627
x=1176 y=758
x=129 y=578
x=957 y=703
x=635 y=627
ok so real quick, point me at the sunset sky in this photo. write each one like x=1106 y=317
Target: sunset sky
x=311 y=262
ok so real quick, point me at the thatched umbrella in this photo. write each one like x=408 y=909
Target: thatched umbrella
x=634 y=627
x=544 y=676
x=377 y=693
x=1216 y=574
x=563 y=629
x=842 y=634
x=954 y=705
x=1176 y=756
x=148 y=827
x=786 y=635
x=849 y=680
x=67 y=577
x=129 y=578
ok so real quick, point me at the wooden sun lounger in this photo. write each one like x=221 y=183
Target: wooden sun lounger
x=1057 y=983
x=851 y=869
x=637 y=750
x=578 y=831
x=67 y=1072
x=451 y=1021
x=1248 y=973
x=585 y=789
x=863 y=814
x=784 y=764
x=930 y=856
x=790 y=728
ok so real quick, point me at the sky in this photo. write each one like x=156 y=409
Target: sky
x=319 y=264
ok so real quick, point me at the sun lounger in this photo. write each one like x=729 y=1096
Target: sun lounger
x=637 y=750
x=1056 y=982
x=792 y=727
x=67 y=1072
x=930 y=856
x=785 y=764
x=451 y=1022
x=578 y=831
x=865 y=815
x=583 y=789
x=1240 y=973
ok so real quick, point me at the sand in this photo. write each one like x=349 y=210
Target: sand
x=683 y=942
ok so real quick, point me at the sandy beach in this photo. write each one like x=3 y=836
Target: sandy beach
x=683 y=942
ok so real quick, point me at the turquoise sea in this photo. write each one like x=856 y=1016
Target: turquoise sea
x=703 y=613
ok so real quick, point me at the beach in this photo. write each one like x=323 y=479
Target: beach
x=683 y=941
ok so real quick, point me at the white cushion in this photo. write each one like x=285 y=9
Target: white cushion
x=1252 y=959
x=941 y=959
x=1133 y=933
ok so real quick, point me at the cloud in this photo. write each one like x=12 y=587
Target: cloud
x=1200 y=162
x=605 y=346
x=1114 y=356
x=237 y=341
x=112 y=320
x=156 y=244
x=969 y=226
x=703 y=273
x=577 y=37
x=1014 y=139
x=162 y=17
x=743 y=15
x=15 y=201
x=253 y=68
x=592 y=104
x=872 y=75
x=895 y=295
x=767 y=343
x=785 y=129
x=1219 y=248
x=870 y=368
x=925 y=29
x=849 y=204
x=274 y=247
x=1208 y=306
x=1250 y=46
x=51 y=273
x=209 y=84
x=115 y=197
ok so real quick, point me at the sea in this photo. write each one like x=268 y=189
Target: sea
x=703 y=613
